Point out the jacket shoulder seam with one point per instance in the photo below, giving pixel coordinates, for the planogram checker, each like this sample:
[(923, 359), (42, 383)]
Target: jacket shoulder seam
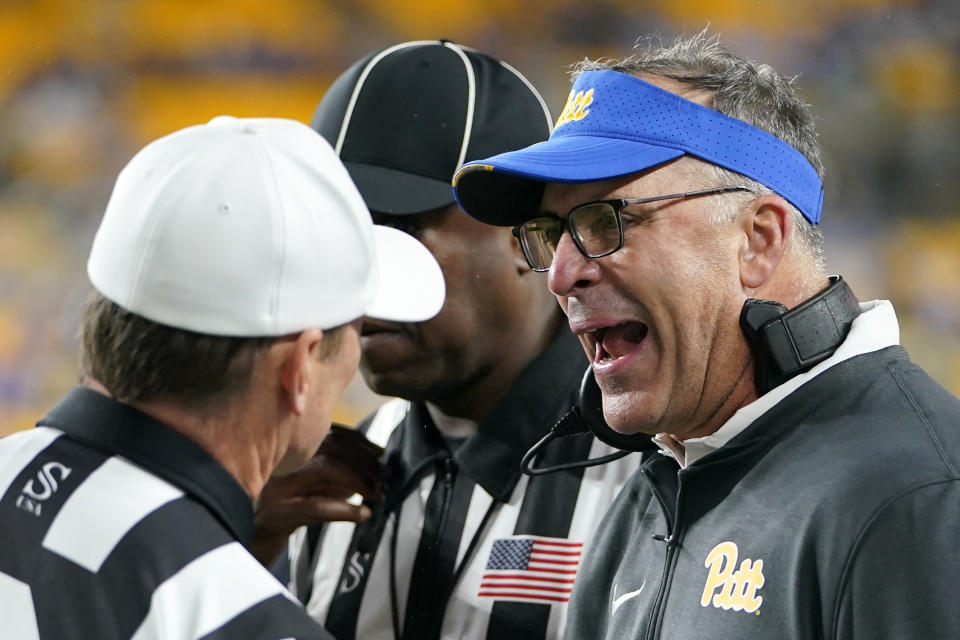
[(862, 534), (931, 433)]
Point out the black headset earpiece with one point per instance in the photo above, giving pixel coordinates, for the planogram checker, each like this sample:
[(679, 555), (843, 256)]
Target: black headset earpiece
[(786, 343)]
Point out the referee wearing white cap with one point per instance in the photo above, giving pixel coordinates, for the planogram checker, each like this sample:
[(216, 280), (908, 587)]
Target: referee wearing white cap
[(230, 269)]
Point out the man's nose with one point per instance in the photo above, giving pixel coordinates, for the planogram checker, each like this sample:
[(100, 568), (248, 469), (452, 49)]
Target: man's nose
[(570, 269)]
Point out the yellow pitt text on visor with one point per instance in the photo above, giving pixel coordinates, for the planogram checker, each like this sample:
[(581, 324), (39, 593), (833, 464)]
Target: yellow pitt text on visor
[(576, 107)]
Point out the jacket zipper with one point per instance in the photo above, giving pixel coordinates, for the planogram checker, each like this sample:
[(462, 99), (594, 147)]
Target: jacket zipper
[(670, 561), (448, 467)]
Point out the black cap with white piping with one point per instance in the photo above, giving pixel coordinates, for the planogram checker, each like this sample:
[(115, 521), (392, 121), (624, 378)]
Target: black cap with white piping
[(403, 119)]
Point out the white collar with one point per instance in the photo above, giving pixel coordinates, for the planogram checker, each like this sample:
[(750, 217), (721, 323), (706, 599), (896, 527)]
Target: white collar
[(875, 328)]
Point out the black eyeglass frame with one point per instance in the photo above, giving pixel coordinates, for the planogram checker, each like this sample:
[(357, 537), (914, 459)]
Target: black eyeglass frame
[(617, 204)]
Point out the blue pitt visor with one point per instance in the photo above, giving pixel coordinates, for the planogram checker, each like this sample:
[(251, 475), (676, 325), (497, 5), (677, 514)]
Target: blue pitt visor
[(615, 124)]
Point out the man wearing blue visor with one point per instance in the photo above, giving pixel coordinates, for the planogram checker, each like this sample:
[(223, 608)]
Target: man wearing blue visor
[(801, 476)]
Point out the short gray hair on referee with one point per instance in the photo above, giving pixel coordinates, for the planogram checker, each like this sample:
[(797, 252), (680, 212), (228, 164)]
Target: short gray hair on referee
[(750, 91)]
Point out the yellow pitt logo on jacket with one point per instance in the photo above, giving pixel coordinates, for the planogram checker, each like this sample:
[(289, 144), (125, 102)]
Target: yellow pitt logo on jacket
[(576, 107), (727, 588)]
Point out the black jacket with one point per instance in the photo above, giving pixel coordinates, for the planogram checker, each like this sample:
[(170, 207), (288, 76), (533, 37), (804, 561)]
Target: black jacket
[(836, 514)]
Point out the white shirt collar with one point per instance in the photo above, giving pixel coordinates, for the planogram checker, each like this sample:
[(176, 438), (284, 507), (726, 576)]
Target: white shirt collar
[(875, 328)]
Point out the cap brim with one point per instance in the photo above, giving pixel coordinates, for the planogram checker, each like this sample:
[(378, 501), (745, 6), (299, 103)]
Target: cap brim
[(410, 287), (398, 193), (506, 189)]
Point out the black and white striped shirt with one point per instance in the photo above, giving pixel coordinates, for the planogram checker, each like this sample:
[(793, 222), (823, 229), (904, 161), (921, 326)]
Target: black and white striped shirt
[(481, 552), (114, 526)]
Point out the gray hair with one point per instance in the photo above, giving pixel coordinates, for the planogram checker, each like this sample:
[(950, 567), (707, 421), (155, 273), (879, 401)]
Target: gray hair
[(749, 91)]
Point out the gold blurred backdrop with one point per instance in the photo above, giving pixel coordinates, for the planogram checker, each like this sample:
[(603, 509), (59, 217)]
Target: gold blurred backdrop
[(85, 83)]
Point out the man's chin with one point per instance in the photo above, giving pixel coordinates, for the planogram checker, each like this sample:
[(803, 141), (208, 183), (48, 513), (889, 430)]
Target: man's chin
[(377, 364), (391, 381), (623, 415), (380, 382)]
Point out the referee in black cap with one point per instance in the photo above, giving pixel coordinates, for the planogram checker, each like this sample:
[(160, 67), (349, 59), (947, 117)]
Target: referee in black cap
[(449, 546)]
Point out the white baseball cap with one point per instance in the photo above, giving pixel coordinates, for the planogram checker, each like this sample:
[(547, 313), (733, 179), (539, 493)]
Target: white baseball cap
[(253, 227)]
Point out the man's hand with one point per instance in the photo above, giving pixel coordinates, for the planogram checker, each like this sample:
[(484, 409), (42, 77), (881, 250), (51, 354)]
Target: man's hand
[(345, 464)]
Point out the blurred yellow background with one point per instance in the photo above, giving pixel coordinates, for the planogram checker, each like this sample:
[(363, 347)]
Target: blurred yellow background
[(85, 83)]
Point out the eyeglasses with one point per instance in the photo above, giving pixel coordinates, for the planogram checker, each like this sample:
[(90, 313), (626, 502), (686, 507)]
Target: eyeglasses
[(596, 227)]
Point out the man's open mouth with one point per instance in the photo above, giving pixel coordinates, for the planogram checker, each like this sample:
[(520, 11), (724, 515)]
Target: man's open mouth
[(616, 341)]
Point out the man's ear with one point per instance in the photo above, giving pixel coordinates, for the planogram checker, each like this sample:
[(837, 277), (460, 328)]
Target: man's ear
[(296, 378), (768, 230)]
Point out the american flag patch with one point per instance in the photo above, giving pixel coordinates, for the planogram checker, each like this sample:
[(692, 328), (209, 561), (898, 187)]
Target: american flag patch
[(531, 569)]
